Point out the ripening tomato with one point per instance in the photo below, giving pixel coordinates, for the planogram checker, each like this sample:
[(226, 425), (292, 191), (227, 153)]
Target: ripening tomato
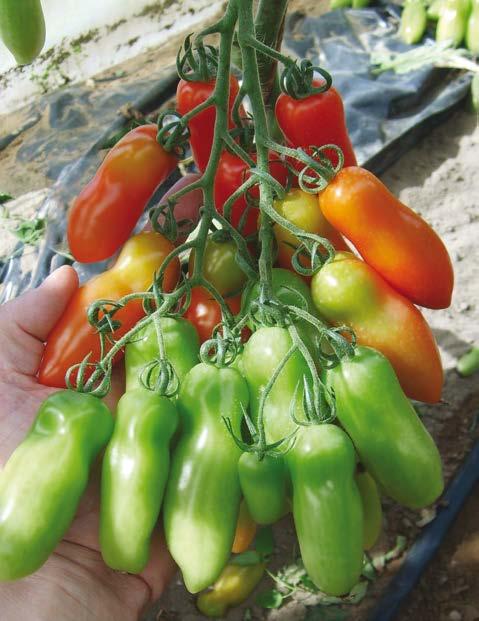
[(316, 120), (107, 209), (301, 209), (204, 312), (231, 173), (220, 267), (73, 337), (390, 237), (347, 291), (202, 126)]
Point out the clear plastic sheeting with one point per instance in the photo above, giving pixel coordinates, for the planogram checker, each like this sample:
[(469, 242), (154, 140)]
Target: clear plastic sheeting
[(386, 114)]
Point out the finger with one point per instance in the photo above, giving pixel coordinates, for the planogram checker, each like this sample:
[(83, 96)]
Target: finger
[(37, 311), (26, 321)]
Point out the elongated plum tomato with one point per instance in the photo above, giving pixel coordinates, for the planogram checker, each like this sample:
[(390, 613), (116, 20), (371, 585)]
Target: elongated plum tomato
[(105, 212), (390, 237), (245, 530), (315, 121), (73, 337), (301, 209), (347, 291), (204, 312), (190, 94), (231, 173), (220, 267)]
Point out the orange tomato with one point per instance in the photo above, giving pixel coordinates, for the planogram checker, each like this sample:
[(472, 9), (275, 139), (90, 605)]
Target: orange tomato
[(245, 530), (73, 337), (390, 237)]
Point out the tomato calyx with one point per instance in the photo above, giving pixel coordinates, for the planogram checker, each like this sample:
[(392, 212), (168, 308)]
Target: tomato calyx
[(297, 80), (196, 61)]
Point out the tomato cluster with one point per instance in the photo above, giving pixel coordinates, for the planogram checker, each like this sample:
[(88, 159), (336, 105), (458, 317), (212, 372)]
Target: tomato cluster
[(174, 452)]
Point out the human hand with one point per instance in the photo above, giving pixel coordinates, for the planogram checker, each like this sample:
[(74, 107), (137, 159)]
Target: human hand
[(74, 584)]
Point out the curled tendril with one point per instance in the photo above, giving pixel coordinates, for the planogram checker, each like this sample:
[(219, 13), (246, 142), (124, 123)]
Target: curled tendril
[(104, 323), (269, 313), (223, 347), (157, 298), (319, 405), (297, 80), (334, 346), (97, 383), (163, 221), (160, 377), (275, 185), (173, 132), (317, 253), (196, 62), (273, 449), (319, 169)]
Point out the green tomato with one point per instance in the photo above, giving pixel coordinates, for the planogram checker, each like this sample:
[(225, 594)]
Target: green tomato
[(44, 479), (181, 348), (220, 267), (264, 485), (327, 507), (468, 364), (372, 511), (291, 290), (22, 28), (472, 31), (288, 287), (203, 491), (413, 21), (135, 471), (452, 22), (262, 355), (389, 437), (434, 9)]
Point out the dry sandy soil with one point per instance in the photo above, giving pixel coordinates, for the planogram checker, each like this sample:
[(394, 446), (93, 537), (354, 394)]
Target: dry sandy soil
[(439, 178)]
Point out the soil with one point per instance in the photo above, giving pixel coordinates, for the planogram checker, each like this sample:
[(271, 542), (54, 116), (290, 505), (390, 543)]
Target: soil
[(438, 178)]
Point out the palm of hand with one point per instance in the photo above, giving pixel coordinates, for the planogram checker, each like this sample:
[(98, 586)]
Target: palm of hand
[(86, 585)]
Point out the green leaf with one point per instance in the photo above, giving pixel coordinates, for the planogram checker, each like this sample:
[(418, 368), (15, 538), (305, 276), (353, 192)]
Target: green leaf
[(4, 198), (270, 599), (308, 584), (264, 541), (250, 557), (30, 231)]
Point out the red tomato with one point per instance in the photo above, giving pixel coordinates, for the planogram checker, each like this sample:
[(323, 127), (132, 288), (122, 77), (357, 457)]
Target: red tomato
[(231, 173), (188, 96), (204, 312), (315, 121), (73, 337), (107, 209)]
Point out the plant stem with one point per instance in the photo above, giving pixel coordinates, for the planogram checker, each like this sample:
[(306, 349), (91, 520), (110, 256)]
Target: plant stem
[(252, 85), (269, 22)]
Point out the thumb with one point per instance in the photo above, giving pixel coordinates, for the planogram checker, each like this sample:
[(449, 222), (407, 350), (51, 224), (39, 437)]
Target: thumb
[(37, 311)]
